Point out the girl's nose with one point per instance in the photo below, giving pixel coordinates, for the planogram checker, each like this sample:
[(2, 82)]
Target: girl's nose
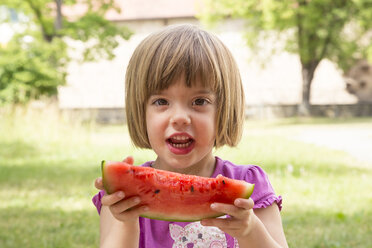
[(180, 117)]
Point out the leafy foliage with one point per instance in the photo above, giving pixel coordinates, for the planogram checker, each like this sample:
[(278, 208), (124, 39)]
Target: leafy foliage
[(31, 69), (33, 63), (339, 30)]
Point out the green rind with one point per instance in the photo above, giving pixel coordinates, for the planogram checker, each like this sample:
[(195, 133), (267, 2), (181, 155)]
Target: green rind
[(249, 192), (103, 163)]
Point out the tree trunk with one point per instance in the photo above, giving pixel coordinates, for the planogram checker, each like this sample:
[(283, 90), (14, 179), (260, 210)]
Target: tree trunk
[(308, 71), (58, 22), (37, 11)]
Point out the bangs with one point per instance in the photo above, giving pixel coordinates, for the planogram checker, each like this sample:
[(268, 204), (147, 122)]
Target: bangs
[(188, 53)]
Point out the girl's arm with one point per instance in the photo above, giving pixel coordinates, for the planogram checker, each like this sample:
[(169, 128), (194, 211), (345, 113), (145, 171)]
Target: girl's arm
[(119, 220), (272, 221), (267, 229), (259, 228), (117, 234)]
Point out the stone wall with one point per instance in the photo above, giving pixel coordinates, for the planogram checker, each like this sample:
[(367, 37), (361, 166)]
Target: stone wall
[(117, 115), (317, 110)]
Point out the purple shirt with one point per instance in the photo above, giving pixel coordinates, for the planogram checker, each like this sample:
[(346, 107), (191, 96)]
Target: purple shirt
[(157, 233)]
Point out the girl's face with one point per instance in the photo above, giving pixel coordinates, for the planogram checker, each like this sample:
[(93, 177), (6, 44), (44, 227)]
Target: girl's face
[(181, 128)]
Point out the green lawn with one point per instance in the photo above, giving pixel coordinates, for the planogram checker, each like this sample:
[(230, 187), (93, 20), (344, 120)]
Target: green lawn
[(48, 165)]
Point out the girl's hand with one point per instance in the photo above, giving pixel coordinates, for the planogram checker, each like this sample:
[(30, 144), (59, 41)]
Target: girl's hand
[(242, 219), (123, 209), (98, 183)]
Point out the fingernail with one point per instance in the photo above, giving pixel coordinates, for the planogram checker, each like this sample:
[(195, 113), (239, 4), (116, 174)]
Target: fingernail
[(213, 206), (145, 208), (136, 200), (120, 194)]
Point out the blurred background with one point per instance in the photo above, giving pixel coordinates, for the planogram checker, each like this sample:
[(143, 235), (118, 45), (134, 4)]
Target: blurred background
[(306, 67)]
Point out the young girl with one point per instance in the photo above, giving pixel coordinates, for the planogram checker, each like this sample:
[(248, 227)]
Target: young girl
[(184, 97)]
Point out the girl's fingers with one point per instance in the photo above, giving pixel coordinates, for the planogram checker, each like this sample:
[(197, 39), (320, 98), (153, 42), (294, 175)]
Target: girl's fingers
[(122, 208), (98, 183), (244, 203), (237, 210), (129, 160), (124, 205), (229, 209), (108, 200), (132, 213)]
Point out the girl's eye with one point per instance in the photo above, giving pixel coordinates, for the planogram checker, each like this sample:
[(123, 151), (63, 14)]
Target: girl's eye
[(160, 102), (200, 102)]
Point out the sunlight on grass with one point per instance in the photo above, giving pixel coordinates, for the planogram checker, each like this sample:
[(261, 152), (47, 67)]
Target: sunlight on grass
[(48, 164)]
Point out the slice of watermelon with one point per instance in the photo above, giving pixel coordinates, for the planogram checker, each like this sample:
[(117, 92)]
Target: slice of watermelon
[(172, 196)]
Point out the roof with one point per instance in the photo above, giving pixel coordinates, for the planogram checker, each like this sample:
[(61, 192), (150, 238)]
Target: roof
[(153, 9), (142, 9)]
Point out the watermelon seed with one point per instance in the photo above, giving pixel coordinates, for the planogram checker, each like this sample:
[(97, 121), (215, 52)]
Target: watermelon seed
[(223, 182), (192, 188), (157, 191)]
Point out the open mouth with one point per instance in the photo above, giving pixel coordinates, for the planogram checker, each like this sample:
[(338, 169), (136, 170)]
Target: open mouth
[(180, 141), (181, 144)]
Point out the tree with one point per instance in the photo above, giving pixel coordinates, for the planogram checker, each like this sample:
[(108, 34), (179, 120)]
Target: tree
[(314, 29), (33, 63)]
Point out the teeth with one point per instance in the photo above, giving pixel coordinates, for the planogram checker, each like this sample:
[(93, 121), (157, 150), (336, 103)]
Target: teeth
[(180, 137), (181, 145)]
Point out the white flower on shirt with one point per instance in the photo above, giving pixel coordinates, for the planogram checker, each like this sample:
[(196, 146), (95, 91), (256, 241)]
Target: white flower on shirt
[(194, 235)]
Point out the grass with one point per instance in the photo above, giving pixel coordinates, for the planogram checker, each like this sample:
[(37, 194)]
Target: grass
[(48, 165)]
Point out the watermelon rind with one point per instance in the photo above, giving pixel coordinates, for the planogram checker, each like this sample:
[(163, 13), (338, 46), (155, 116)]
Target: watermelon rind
[(105, 186), (249, 192), (103, 174)]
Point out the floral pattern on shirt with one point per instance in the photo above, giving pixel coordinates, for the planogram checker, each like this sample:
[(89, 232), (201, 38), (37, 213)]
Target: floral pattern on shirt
[(195, 235)]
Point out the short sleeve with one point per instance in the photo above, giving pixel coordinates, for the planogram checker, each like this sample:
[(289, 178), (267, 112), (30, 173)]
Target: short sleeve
[(263, 193), (97, 200)]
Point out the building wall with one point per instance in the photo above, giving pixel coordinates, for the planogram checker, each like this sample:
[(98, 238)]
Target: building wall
[(101, 84)]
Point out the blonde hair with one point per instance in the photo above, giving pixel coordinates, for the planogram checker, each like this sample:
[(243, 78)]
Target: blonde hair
[(184, 49)]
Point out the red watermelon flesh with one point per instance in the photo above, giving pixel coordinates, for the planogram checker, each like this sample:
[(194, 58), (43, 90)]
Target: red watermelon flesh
[(172, 196)]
